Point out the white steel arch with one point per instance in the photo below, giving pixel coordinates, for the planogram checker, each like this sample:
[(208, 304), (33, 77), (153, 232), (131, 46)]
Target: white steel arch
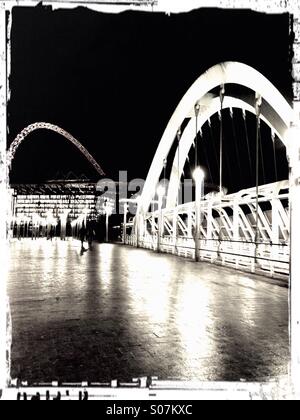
[(225, 73), (212, 106), (47, 126)]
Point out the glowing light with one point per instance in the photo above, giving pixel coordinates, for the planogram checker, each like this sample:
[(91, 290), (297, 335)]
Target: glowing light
[(74, 223), (161, 191), (199, 174)]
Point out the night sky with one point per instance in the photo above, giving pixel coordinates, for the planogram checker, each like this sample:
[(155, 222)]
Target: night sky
[(113, 82)]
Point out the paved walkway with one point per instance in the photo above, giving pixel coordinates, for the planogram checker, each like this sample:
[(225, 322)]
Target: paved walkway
[(119, 312)]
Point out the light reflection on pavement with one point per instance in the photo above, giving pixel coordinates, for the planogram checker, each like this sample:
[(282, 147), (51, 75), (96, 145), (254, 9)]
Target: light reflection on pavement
[(118, 313)]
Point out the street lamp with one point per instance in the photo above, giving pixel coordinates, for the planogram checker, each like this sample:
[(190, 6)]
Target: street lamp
[(135, 201), (125, 223), (108, 212), (198, 176), (161, 191)]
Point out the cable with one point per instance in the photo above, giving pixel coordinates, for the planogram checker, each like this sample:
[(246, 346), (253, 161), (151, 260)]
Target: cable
[(206, 157), (213, 142), (222, 93), (197, 111), (178, 163), (247, 140), (262, 157), (225, 155), (236, 146), (274, 155)]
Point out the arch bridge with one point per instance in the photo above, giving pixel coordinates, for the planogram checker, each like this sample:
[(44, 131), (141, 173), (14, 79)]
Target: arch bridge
[(248, 230)]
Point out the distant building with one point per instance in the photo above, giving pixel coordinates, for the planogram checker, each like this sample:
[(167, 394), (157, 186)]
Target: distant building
[(71, 196), (55, 207)]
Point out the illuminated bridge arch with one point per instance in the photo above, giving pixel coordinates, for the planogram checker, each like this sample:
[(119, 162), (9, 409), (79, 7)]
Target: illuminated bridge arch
[(47, 126), (212, 106), (221, 74)]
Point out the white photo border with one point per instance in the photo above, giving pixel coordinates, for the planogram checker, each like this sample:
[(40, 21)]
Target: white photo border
[(288, 389)]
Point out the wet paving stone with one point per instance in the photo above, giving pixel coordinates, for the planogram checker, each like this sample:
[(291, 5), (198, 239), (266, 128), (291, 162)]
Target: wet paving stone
[(118, 313)]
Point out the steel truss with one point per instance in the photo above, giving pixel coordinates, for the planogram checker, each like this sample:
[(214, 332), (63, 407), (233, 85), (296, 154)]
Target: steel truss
[(47, 126), (228, 231)]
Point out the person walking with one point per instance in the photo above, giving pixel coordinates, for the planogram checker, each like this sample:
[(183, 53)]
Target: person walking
[(82, 236), (90, 235)]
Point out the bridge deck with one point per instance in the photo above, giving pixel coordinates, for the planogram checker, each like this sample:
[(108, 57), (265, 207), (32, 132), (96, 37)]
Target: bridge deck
[(119, 312)]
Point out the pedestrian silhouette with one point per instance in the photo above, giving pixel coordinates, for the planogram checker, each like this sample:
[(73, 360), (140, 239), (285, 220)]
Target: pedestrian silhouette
[(58, 397), (90, 235), (82, 236)]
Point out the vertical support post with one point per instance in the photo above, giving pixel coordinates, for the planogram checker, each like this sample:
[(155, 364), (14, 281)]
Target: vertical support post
[(209, 222), (139, 223), (106, 225), (189, 225), (222, 95), (142, 228), (125, 223), (236, 231), (236, 227), (258, 103), (197, 112), (160, 222), (175, 214), (198, 221), (161, 191), (210, 243), (197, 177), (108, 212), (275, 228), (137, 228), (175, 230), (153, 228), (199, 181)]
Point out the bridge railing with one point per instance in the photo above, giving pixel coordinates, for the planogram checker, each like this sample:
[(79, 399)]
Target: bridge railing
[(262, 258), (235, 230)]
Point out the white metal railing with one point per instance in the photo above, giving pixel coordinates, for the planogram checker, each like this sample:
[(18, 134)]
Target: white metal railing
[(272, 260), (229, 233)]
